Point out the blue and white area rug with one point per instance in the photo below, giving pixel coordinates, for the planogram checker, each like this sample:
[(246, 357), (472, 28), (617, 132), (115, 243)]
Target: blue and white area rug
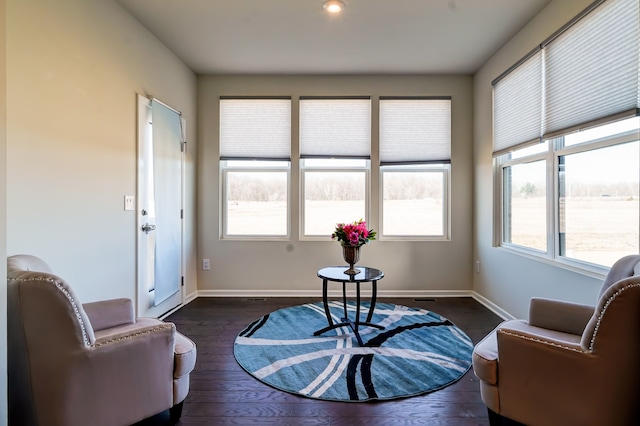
[(419, 351)]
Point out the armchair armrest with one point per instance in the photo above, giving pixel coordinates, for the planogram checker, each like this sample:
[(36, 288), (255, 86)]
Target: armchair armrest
[(560, 316), (110, 313), (534, 369), (523, 337), (129, 369)]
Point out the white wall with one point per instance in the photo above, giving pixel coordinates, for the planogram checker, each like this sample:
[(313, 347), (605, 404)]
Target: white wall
[(510, 280), (3, 216), (74, 68), (272, 268)]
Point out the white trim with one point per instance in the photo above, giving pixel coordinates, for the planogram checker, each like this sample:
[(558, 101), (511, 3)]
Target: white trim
[(144, 136), (225, 169), (190, 298), (169, 312), (144, 303), (445, 171), (417, 294), (555, 150), (165, 105), (492, 307), (331, 167), (335, 293)]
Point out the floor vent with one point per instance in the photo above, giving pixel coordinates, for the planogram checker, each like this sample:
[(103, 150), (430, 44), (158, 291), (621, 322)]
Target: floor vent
[(424, 299), (254, 299)]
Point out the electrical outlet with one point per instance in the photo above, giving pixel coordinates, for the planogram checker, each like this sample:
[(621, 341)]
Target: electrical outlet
[(206, 264), (477, 266)]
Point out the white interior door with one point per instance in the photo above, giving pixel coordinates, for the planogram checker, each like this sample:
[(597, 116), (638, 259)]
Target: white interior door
[(159, 208)]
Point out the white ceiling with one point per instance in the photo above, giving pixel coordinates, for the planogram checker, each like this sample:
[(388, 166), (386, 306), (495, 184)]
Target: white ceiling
[(299, 37)]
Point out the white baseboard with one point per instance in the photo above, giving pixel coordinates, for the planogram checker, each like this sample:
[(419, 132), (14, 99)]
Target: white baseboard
[(492, 306), (413, 294), (334, 293), (191, 297)]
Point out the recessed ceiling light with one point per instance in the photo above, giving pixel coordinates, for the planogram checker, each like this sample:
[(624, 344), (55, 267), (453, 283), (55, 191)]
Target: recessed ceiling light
[(333, 6)]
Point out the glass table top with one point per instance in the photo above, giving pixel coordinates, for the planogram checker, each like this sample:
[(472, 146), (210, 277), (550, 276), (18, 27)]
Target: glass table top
[(336, 273)]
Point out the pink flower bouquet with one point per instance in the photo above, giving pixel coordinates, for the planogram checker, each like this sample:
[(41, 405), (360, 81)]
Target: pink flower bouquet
[(353, 234)]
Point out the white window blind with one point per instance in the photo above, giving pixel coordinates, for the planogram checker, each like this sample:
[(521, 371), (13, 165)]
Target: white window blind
[(587, 73), (334, 128), (592, 67), (252, 128), (415, 130), (517, 106)]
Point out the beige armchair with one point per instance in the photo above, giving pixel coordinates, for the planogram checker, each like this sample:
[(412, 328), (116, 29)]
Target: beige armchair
[(94, 364), (569, 364)]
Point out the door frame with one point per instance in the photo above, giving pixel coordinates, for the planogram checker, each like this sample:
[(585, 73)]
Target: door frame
[(145, 135)]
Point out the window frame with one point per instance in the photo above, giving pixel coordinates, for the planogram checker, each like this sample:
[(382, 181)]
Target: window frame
[(559, 151), (326, 149), (555, 150), (224, 180), (568, 58), (233, 158), (305, 168), (420, 141), (442, 168), (500, 164)]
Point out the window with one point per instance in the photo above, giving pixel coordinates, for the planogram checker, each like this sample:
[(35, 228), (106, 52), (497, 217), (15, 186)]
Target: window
[(255, 195), (525, 202), (574, 198), (415, 154), (598, 195), (255, 146), (596, 176), (335, 146), (335, 191)]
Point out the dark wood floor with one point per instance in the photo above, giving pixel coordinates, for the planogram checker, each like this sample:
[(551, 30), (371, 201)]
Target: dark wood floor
[(222, 393)]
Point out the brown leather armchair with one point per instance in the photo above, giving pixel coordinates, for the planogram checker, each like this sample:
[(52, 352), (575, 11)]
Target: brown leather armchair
[(569, 364), (93, 364)]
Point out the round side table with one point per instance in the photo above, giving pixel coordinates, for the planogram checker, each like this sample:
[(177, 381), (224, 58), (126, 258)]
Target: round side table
[(336, 274)]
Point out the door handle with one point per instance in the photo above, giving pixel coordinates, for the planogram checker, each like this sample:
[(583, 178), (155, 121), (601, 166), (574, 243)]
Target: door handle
[(148, 228)]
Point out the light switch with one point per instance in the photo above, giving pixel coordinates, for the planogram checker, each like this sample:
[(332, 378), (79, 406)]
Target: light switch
[(129, 201)]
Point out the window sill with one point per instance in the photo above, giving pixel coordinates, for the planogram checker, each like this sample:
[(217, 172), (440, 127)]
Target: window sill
[(583, 268)]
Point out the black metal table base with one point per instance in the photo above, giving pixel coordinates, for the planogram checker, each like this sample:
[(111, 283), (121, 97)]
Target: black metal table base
[(346, 321), (354, 326)]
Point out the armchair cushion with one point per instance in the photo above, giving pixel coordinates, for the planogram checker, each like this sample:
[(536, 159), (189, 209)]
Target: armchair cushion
[(485, 354), (184, 363), (139, 326), (110, 313), (485, 359), (559, 315), (185, 356)]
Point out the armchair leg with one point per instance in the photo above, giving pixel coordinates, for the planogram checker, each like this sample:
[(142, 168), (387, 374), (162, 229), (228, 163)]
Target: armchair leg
[(175, 412)]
